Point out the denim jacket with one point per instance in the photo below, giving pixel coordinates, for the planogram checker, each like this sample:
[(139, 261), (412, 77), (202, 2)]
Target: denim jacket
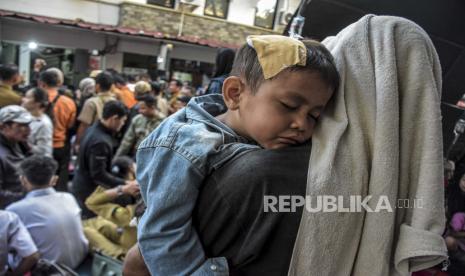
[(172, 164)]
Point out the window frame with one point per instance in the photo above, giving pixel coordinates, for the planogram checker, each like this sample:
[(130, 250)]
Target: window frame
[(215, 16), (173, 3), (273, 23)]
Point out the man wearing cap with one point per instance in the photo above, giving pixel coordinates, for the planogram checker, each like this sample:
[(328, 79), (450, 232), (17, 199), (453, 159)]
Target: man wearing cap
[(14, 131)]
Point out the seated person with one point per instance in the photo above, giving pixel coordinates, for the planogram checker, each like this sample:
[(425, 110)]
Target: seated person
[(265, 103), (52, 218), (112, 231), (17, 245)]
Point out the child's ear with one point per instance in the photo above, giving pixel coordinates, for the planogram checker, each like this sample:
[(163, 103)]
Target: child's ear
[(232, 89)]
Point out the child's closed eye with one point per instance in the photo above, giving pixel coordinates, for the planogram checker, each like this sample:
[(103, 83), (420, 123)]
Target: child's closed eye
[(289, 106)]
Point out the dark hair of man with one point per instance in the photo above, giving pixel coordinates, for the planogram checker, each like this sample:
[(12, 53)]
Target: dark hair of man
[(149, 100), (8, 71), (224, 61), (319, 59), (50, 78), (155, 87), (113, 108), (38, 169), (178, 82), (40, 96), (104, 80)]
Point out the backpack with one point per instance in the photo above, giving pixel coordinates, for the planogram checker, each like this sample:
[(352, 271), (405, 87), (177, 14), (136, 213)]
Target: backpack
[(50, 108)]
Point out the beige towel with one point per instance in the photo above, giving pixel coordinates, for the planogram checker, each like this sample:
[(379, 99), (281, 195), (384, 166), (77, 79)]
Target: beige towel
[(276, 53), (380, 136)]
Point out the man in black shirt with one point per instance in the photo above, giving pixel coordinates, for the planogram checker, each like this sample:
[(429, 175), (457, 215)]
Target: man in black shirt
[(96, 153)]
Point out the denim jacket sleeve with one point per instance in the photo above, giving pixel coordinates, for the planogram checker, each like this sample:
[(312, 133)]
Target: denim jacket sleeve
[(170, 186)]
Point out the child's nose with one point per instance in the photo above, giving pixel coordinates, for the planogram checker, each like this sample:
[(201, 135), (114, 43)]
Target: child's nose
[(300, 122)]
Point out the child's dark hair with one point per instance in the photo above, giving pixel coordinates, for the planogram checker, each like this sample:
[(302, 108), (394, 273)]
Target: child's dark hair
[(319, 59), (121, 166), (38, 169)]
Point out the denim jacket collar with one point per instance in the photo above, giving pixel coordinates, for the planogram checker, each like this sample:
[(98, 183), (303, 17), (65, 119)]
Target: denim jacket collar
[(206, 108)]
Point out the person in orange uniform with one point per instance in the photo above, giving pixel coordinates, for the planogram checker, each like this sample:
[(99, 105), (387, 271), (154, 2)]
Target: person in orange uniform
[(122, 92), (64, 115)]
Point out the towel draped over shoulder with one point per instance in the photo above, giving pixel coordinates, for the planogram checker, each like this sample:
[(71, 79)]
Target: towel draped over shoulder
[(380, 136)]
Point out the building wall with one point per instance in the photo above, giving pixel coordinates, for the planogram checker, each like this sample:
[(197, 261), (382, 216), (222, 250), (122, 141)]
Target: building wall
[(102, 12), (107, 11), (168, 21)]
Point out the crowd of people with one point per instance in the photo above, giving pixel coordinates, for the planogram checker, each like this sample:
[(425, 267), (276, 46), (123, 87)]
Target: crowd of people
[(67, 162)]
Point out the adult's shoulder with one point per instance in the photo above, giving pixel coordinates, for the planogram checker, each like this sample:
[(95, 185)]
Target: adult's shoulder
[(68, 102), (19, 207), (8, 217), (266, 163)]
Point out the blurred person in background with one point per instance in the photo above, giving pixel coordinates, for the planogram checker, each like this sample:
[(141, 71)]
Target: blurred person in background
[(141, 125), (162, 103), (122, 92), (181, 102), (223, 66), (15, 244), (187, 91), (86, 90), (64, 115), (112, 231), (14, 132), (52, 218), (173, 91), (9, 76), (92, 110), (39, 66), (40, 140), (96, 154), (131, 82)]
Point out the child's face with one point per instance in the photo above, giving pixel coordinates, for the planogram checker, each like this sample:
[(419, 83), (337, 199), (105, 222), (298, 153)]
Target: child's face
[(283, 112)]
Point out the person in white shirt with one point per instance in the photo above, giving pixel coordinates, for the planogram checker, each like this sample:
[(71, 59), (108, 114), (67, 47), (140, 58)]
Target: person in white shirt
[(52, 218), (40, 139), (16, 245)]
